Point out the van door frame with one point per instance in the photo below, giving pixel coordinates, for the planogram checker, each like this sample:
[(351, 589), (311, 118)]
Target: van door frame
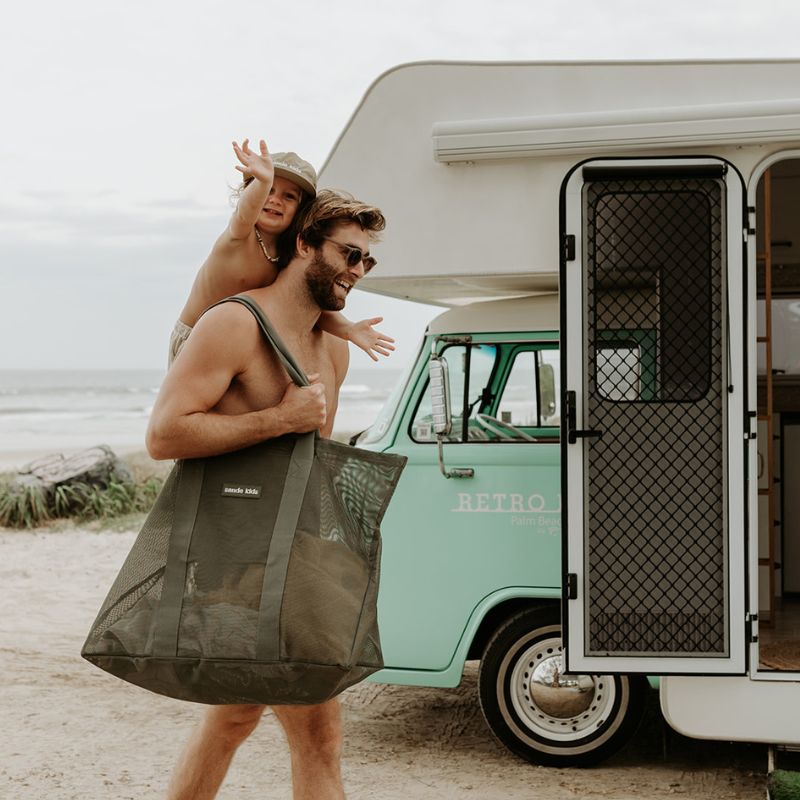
[(571, 222), (752, 381)]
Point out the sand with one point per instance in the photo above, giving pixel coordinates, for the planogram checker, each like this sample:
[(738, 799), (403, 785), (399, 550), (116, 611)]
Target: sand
[(72, 731)]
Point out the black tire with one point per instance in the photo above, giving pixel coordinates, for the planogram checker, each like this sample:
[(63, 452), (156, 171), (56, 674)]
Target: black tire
[(579, 722)]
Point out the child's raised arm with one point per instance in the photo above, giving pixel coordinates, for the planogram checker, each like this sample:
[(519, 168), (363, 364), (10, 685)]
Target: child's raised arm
[(361, 333), (255, 194)]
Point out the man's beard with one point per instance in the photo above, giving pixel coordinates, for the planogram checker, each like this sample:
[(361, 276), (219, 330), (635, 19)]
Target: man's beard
[(320, 277)]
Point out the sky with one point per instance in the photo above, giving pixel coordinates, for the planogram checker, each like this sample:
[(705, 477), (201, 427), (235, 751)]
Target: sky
[(115, 156)]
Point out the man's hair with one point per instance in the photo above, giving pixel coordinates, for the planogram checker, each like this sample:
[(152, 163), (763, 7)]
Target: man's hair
[(331, 208), (285, 243)]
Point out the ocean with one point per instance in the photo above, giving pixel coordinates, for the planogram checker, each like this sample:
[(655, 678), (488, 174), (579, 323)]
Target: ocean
[(53, 411)]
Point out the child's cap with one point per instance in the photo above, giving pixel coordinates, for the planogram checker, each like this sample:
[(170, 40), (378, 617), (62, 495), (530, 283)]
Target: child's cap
[(293, 168)]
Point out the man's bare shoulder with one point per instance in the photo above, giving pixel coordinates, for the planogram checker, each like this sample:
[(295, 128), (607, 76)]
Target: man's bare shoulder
[(227, 319), (222, 345)]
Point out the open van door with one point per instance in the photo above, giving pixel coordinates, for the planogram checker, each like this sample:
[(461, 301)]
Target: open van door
[(655, 427)]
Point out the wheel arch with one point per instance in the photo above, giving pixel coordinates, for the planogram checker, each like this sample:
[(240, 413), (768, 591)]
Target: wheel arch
[(495, 615)]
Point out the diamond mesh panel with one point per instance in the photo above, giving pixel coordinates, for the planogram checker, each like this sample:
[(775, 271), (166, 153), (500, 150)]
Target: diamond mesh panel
[(141, 575), (337, 547), (655, 526)]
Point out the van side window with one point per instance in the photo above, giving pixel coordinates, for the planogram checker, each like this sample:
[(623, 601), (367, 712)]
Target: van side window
[(529, 397), (519, 405), (512, 394)]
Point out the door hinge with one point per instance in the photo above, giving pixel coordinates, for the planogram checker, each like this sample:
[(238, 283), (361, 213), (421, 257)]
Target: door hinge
[(572, 586), (568, 247)]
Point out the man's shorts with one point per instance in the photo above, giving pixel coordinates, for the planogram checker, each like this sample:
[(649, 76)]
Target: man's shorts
[(180, 333)]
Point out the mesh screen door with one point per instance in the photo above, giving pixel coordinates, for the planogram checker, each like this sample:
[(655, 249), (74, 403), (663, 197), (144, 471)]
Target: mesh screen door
[(648, 377)]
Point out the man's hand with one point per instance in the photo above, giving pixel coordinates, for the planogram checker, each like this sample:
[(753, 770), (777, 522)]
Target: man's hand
[(371, 341), (259, 166), (304, 408)]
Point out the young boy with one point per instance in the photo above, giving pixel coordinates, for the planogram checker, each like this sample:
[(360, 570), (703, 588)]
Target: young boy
[(259, 241)]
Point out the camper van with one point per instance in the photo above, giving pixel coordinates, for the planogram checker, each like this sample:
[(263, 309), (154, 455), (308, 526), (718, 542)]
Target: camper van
[(603, 425)]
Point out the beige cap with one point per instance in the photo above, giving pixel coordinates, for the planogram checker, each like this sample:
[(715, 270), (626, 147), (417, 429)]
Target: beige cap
[(293, 168)]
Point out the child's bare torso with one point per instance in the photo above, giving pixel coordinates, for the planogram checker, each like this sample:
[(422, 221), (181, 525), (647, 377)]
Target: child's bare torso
[(233, 266)]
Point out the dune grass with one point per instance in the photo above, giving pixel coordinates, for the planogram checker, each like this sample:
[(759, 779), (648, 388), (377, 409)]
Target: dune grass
[(32, 505)]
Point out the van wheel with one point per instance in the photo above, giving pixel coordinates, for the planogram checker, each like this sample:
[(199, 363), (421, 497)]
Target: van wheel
[(543, 716)]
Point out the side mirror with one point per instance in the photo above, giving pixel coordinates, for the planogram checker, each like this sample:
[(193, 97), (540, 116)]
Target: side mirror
[(440, 395), (547, 389), (439, 379)]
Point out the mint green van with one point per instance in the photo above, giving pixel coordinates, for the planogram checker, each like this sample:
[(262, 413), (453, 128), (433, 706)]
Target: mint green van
[(471, 565)]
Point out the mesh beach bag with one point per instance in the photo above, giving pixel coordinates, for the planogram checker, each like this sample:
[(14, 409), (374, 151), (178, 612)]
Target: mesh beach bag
[(255, 576)]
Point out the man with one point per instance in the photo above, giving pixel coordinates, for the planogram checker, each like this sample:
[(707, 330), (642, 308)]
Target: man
[(228, 391)]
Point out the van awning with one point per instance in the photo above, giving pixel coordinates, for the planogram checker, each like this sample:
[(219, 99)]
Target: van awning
[(751, 122)]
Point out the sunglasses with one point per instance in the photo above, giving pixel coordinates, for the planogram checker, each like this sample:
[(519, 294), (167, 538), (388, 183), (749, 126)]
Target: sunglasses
[(353, 255)]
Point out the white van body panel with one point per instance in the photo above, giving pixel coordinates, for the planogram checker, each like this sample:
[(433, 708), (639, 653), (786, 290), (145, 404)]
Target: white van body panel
[(488, 226), (733, 708), (500, 316)]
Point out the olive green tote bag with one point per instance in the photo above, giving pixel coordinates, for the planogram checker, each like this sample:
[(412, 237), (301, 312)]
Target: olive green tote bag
[(255, 576)]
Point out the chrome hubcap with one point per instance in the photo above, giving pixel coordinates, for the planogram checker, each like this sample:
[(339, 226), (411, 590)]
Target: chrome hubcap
[(558, 706)]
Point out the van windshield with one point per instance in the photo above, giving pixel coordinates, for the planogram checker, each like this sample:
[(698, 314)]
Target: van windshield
[(376, 431)]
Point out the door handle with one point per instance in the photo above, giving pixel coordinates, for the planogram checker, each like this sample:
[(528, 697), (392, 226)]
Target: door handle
[(573, 434)]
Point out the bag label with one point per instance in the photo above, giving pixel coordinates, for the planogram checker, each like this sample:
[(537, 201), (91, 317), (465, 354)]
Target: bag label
[(240, 490)]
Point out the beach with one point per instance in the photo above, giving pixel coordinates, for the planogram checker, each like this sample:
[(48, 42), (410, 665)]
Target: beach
[(73, 732)]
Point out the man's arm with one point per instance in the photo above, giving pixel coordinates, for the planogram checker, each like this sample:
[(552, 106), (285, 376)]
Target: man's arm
[(252, 199), (361, 333), (183, 424)]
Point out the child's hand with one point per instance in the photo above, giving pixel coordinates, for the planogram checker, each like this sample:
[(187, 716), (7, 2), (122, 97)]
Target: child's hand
[(259, 166), (369, 340)]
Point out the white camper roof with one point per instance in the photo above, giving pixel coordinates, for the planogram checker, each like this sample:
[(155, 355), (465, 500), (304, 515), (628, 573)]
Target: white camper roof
[(500, 316), (467, 159)]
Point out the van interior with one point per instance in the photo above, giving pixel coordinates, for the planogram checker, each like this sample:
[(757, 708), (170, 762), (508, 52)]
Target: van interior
[(778, 366)]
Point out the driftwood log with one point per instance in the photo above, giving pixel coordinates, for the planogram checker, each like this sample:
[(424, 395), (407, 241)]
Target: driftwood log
[(98, 466)]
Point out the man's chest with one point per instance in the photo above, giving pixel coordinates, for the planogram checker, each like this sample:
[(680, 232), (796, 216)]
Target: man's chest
[(264, 383)]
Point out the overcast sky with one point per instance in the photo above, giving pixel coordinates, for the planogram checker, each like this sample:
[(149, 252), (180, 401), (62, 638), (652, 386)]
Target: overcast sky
[(117, 120)]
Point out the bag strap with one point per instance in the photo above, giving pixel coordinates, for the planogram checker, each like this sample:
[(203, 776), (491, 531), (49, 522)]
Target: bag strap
[(271, 335), (268, 647)]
